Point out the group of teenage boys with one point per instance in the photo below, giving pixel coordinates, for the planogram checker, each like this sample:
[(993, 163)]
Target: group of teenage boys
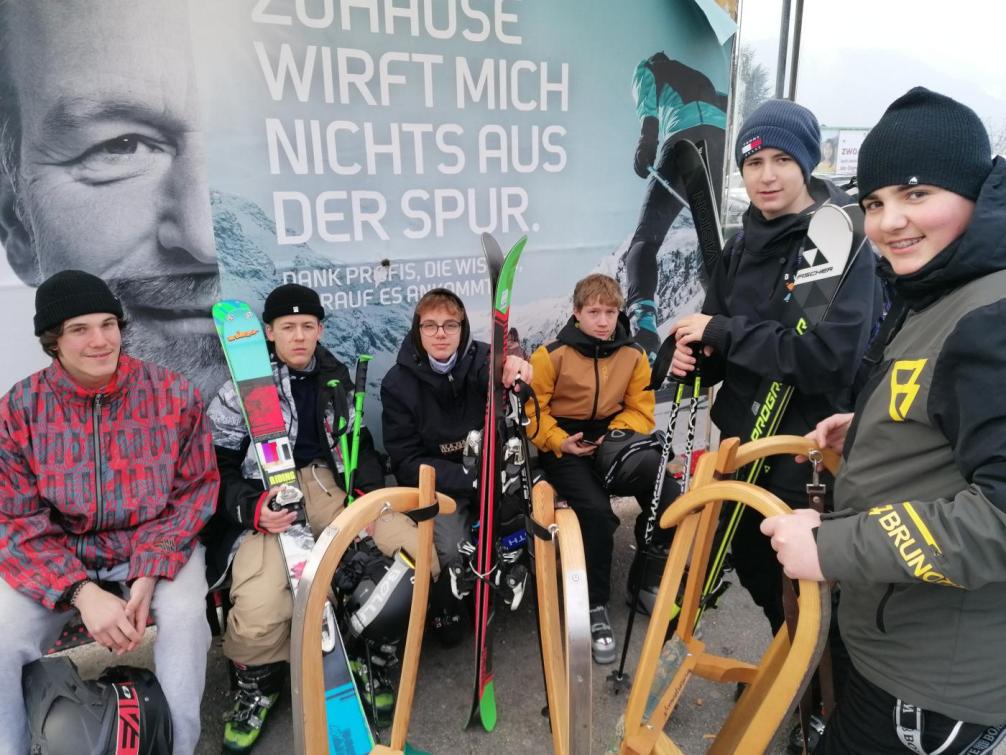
[(113, 472)]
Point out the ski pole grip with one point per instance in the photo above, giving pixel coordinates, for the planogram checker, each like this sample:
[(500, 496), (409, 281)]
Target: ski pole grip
[(361, 373)]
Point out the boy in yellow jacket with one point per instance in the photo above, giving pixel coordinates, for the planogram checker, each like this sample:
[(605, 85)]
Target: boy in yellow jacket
[(595, 435)]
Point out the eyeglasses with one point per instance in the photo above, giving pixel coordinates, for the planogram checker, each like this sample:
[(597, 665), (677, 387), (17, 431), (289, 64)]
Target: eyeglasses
[(430, 328)]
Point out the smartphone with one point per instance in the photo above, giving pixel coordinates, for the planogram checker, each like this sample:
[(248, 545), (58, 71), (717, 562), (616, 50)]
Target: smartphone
[(585, 442)]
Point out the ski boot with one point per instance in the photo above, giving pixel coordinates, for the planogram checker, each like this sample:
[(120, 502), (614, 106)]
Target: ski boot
[(258, 688), (510, 577), (643, 314), (644, 575), (376, 692), (602, 638), (461, 571)]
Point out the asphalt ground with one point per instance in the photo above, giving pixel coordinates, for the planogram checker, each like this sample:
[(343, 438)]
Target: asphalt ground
[(444, 688)]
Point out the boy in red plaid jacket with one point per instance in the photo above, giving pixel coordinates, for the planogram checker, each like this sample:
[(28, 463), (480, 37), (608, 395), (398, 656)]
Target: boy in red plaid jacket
[(107, 473)]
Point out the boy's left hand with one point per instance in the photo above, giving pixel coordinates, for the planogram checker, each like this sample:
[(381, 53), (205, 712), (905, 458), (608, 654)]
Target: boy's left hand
[(690, 328), (141, 592), (793, 541), (515, 367)]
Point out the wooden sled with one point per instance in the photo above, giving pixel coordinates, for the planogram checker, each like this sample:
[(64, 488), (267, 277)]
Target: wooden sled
[(775, 684), (565, 636), (310, 732)]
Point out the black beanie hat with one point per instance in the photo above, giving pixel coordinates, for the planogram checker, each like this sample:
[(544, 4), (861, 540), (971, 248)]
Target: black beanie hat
[(784, 125), (72, 293), (292, 299), (926, 138)]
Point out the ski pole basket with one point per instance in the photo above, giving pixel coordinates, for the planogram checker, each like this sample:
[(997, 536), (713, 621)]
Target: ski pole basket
[(310, 727), (775, 684), (565, 639)]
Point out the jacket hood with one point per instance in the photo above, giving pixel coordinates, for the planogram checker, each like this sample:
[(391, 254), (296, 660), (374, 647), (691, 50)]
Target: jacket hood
[(571, 335), (416, 361), (980, 250), (466, 330)]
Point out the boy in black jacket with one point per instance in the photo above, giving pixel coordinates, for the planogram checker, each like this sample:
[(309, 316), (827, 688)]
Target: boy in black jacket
[(243, 533), (746, 324), (432, 396)]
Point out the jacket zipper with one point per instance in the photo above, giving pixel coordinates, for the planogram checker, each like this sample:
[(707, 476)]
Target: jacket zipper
[(597, 383), (880, 608), (96, 423)]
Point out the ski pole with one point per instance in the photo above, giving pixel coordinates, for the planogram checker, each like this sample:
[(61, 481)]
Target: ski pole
[(617, 677), (666, 184), (343, 442), (359, 394)]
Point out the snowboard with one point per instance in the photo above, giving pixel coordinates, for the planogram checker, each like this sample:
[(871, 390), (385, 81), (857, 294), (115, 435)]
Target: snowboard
[(244, 345)]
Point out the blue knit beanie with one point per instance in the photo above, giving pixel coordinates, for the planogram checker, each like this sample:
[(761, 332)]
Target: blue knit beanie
[(784, 125)]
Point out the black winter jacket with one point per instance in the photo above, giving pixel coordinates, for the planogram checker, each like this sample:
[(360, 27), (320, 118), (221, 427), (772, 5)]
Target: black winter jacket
[(240, 487), (748, 300), (426, 416)]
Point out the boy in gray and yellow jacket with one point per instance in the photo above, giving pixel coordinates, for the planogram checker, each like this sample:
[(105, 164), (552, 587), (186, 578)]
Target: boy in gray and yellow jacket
[(594, 428), (917, 538)]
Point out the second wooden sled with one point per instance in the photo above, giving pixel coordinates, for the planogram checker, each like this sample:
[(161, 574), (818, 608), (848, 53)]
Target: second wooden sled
[(310, 735), (565, 637), (773, 685)]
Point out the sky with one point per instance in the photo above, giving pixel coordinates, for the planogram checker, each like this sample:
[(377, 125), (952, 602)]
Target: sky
[(859, 55)]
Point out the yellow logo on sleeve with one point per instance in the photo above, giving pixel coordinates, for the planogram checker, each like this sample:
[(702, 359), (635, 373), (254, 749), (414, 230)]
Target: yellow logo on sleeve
[(904, 386)]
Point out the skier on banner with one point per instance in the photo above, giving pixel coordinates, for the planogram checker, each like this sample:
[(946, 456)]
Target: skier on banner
[(594, 435), (917, 536), (106, 473), (243, 533), (743, 327), (432, 397), (673, 102)]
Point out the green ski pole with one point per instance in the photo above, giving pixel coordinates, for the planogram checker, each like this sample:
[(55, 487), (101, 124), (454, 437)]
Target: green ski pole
[(359, 394), (343, 447)]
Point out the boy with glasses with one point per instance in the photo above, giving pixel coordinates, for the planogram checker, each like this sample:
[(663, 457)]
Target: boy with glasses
[(432, 396)]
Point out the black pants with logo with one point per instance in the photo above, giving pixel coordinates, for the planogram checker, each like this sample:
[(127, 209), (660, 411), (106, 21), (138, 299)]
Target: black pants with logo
[(864, 722)]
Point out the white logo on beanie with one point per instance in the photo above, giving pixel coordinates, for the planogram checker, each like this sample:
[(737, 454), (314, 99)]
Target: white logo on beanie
[(913, 181), (751, 145), (296, 309)]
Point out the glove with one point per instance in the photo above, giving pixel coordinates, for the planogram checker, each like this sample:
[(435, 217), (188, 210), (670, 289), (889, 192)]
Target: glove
[(646, 150)]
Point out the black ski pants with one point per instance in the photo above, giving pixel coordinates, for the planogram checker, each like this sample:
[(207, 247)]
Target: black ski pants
[(660, 209), (577, 480), (864, 722)]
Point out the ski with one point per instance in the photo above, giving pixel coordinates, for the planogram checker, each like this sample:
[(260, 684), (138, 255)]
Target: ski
[(244, 346), (828, 254), (703, 203), (487, 562)]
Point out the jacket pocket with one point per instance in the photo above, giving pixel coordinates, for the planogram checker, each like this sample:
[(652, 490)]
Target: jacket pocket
[(882, 605)]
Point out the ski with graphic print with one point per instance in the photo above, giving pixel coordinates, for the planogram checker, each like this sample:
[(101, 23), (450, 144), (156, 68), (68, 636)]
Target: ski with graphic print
[(493, 559)]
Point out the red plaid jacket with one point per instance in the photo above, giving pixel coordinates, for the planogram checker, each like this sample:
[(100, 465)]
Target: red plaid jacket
[(91, 479)]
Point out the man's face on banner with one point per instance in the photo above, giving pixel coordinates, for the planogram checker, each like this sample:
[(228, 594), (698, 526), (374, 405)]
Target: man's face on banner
[(108, 174)]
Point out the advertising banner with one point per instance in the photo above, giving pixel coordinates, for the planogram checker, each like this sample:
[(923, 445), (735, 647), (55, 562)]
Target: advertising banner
[(192, 152)]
